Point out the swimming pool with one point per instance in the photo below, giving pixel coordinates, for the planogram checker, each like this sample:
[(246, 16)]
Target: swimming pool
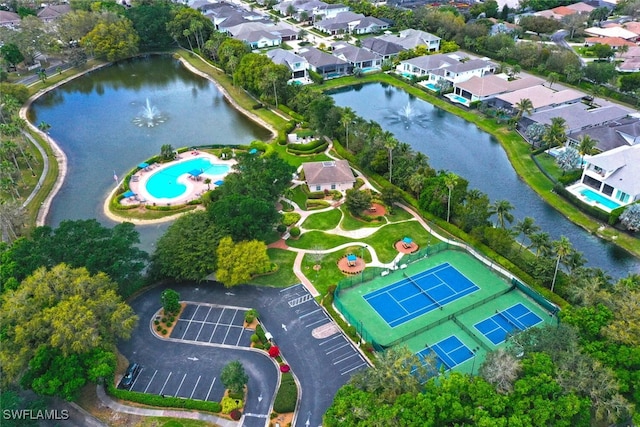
[(592, 196), (164, 184), (457, 98), (432, 87)]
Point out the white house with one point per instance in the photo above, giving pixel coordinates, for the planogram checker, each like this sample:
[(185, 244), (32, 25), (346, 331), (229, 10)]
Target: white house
[(452, 67), (298, 65), (331, 175), (411, 39), (614, 175)]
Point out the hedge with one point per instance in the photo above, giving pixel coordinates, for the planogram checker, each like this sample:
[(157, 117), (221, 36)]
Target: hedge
[(317, 204), (167, 401), (287, 396), (591, 210), (290, 218), (570, 177), (295, 149)]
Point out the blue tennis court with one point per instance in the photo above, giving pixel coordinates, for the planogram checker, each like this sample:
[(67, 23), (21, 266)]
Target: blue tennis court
[(449, 353), (416, 295), (515, 318)]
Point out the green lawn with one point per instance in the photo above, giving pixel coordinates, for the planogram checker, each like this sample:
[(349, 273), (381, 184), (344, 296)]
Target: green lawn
[(548, 163), (318, 240), (384, 239), (329, 273), (284, 276), (349, 222), (299, 197), (398, 214), (323, 220)]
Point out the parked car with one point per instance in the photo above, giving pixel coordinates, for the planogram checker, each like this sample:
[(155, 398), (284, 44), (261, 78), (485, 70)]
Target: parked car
[(130, 376)]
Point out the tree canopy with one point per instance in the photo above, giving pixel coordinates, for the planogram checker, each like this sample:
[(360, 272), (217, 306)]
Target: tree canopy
[(79, 243), (238, 262), (64, 309), (112, 40)]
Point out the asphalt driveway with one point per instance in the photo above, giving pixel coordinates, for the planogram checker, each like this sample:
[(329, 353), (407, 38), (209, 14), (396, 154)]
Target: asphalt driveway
[(189, 363)]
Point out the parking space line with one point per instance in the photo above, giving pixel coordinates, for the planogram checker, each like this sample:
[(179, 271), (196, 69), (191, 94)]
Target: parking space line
[(310, 313), (195, 387), (136, 380), (210, 387), (239, 337), (215, 325), (344, 358), (336, 345), (202, 326), (150, 381), (338, 348), (165, 383), (229, 328), (177, 393), (329, 339), (316, 322), (353, 369), (290, 287)]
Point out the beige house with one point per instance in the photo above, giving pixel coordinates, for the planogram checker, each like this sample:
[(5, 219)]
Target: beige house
[(331, 175)]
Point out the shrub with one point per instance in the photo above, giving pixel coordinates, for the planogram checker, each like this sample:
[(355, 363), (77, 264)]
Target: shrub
[(290, 218), (235, 415), (252, 313), (229, 404), (255, 338), (295, 231), (317, 204), (285, 368), (164, 332), (167, 401), (169, 324), (281, 228), (570, 177), (257, 106), (274, 351), (158, 328), (249, 318), (287, 396), (260, 333), (156, 322), (163, 320), (236, 395)]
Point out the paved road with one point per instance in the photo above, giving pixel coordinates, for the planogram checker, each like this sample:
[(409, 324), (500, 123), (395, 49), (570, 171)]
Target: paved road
[(322, 365)]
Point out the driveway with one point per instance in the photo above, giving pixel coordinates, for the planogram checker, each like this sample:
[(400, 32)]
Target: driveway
[(320, 356)]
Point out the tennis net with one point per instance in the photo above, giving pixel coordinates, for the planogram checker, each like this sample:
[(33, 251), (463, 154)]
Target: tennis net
[(414, 283)]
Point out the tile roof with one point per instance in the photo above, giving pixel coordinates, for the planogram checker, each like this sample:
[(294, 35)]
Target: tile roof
[(578, 115), (383, 47), (493, 84), (354, 54), (618, 133), (541, 96), (610, 41), (625, 161), (317, 173), (318, 58)]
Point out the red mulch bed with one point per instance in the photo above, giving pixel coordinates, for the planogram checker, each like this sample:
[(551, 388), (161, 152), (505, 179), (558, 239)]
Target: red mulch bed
[(408, 250), (376, 210), (344, 266)]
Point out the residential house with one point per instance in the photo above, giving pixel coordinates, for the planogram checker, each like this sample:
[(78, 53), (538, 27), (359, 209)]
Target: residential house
[(326, 65), (350, 23), (9, 19), (411, 39), (612, 31), (541, 98), (384, 48), (52, 12), (614, 42), (561, 12), (328, 11), (358, 57), (577, 116), (330, 175), (486, 87), (298, 6), (630, 60), (260, 35), (613, 134), (452, 67), (614, 174), (298, 65)]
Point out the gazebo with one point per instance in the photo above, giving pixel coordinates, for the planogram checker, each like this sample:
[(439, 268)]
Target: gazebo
[(351, 260), (406, 242)]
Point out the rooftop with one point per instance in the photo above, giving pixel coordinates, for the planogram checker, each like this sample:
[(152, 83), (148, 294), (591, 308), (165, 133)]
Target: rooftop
[(317, 173)]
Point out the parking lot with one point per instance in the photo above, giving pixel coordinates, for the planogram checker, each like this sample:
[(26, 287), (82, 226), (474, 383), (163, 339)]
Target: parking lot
[(338, 351), (201, 386), (211, 323)]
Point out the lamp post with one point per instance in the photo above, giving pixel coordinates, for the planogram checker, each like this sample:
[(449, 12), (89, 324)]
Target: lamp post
[(473, 366), (362, 256)]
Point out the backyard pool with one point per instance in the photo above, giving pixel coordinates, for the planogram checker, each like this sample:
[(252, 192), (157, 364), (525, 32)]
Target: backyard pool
[(591, 196), (164, 184)]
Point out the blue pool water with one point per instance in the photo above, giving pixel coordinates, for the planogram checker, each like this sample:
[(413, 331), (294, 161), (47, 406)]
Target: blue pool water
[(432, 87), (459, 99), (591, 195), (164, 183)]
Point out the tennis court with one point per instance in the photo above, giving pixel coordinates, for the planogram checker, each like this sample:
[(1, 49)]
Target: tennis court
[(514, 319), (449, 353), (416, 295)]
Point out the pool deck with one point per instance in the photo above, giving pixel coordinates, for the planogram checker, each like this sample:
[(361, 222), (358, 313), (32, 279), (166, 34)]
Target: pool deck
[(195, 188)]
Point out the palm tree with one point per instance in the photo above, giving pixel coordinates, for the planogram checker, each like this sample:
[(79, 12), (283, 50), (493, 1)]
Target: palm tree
[(587, 144), (523, 106), (346, 119), (541, 242), (526, 227), (44, 128), (390, 143), (450, 180), (208, 182), (502, 209), (562, 249), (552, 78), (555, 134)]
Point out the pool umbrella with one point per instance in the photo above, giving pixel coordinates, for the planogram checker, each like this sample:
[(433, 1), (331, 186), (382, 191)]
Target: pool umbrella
[(219, 182), (253, 151), (195, 172), (129, 194), (143, 165)]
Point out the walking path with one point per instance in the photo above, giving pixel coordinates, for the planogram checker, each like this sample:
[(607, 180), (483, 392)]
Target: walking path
[(146, 412)]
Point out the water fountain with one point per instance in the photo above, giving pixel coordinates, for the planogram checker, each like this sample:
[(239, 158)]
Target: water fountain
[(150, 116), (407, 116)]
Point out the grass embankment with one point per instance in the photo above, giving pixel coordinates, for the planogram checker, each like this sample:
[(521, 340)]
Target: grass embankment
[(519, 155), (284, 276), (323, 220)]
